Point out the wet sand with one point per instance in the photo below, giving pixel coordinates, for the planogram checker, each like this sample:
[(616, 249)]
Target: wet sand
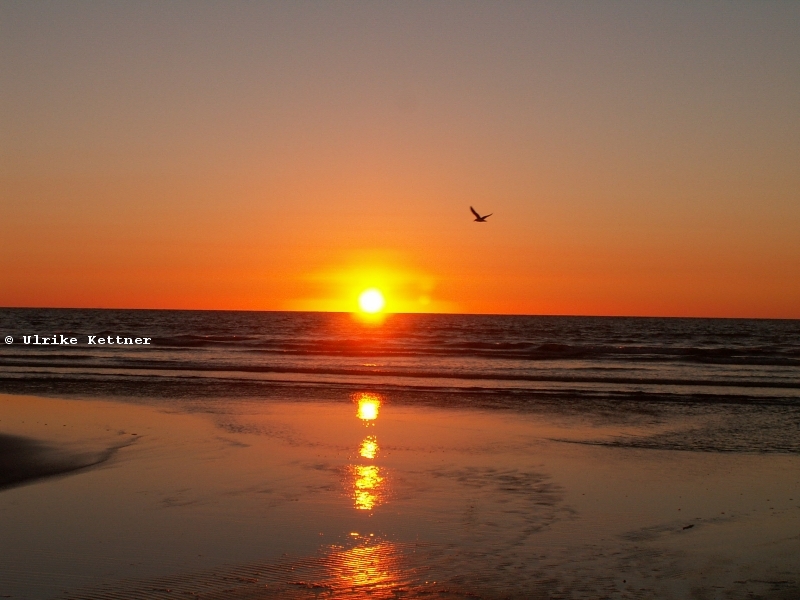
[(23, 460), (367, 498)]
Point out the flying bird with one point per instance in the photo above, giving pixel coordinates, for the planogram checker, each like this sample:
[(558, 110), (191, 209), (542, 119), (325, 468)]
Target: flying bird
[(478, 218)]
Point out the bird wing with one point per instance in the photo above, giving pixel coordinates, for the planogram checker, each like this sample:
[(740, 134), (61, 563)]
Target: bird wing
[(487, 216), (474, 212)]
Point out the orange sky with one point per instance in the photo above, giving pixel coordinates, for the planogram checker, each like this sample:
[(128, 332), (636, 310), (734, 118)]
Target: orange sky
[(639, 158)]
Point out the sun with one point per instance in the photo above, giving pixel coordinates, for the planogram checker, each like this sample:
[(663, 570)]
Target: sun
[(371, 301)]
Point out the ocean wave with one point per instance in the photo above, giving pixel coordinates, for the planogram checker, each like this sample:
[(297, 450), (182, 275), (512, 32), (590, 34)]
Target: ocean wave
[(521, 350), (609, 376)]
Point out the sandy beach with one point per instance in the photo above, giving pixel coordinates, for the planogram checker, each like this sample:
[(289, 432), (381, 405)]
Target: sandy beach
[(366, 498)]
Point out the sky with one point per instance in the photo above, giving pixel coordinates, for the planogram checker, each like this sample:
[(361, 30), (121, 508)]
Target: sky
[(639, 158)]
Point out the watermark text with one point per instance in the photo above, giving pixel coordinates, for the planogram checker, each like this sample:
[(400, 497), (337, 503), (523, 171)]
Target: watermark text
[(90, 340)]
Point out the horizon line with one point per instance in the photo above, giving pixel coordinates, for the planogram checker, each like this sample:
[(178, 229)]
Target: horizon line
[(466, 314)]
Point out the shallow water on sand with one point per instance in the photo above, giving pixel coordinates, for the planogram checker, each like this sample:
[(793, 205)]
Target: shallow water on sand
[(371, 498)]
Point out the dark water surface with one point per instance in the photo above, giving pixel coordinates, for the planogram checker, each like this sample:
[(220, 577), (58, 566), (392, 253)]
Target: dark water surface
[(754, 359)]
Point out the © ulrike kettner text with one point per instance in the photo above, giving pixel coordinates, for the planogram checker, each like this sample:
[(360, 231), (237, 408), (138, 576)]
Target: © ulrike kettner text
[(91, 340)]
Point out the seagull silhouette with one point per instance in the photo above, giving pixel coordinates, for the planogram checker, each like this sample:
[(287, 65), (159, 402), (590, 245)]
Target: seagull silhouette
[(478, 218)]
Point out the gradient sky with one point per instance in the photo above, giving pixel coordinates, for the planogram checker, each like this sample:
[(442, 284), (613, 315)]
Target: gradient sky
[(640, 158)]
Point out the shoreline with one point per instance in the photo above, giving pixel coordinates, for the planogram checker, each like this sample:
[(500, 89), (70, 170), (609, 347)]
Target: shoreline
[(701, 424)]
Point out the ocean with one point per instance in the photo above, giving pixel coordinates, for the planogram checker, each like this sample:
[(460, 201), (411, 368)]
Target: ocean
[(572, 357)]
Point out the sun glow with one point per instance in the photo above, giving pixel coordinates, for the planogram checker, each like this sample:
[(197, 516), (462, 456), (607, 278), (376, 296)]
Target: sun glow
[(355, 281), (371, 301)]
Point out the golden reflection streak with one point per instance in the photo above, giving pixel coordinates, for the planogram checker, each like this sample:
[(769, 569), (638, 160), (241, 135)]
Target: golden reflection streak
[(369, 447), (373, 566), (368, 406), (369, 319), (367, 483)]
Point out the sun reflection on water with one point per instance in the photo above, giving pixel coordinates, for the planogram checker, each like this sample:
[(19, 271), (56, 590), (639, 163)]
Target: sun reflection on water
[(369, 570), (368, 406), (367, 481), (369, 447), (367, 486)]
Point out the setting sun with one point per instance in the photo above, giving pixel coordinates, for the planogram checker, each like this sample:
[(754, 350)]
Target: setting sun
[(371, 301)]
